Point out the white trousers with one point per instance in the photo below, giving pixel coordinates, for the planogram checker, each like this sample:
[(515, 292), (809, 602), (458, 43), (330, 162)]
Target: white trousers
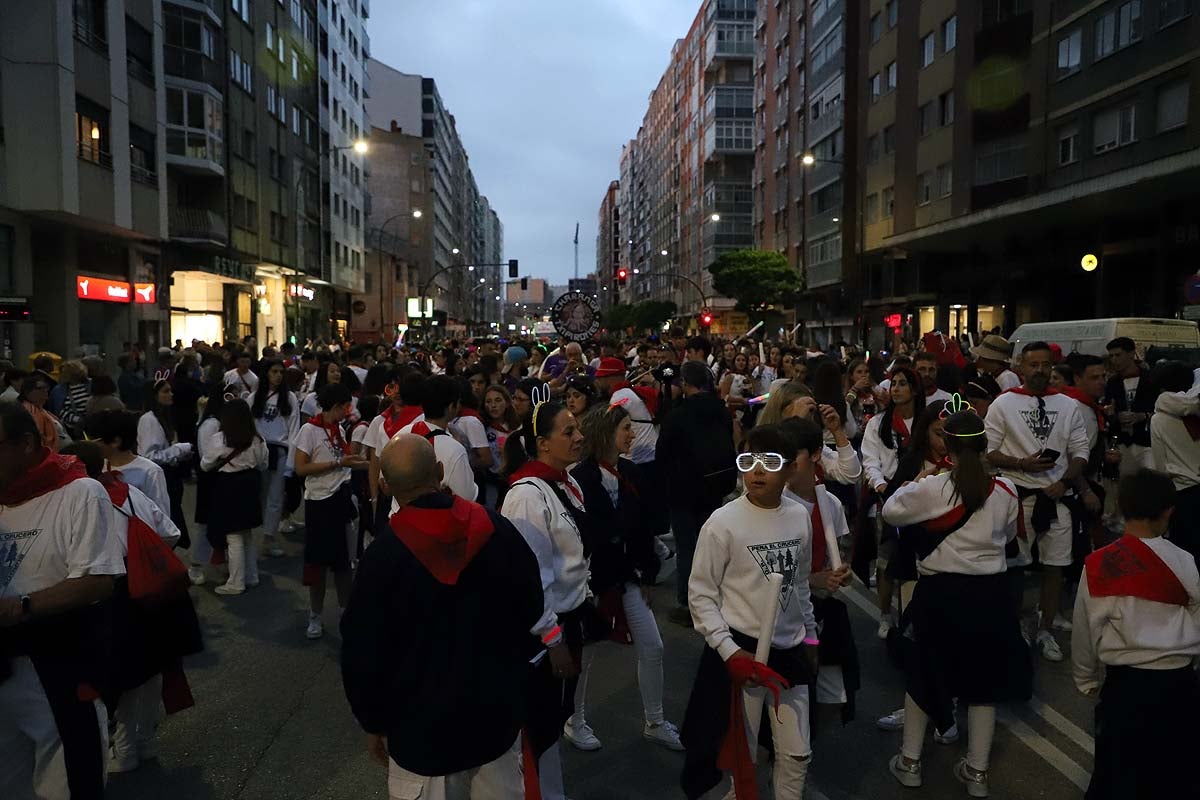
[(241, 554), (648, 645), (272, 499), (137, 717), (32, 764), (498, 780), (981, 728)]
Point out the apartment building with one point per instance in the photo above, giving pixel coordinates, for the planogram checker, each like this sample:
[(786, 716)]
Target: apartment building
[(82, 192), (1005, 140), (344, 50), (609, 247)]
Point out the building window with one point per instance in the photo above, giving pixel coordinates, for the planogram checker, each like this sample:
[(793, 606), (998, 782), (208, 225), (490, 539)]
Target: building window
[(139, 52), (893, 13), (1172, 106), (828, 198), (926, 119), (91, 132), (142, 156), (924, 188), (295, 66), (874, 87), (1118, 28), (1000, 160), (1113, 128), (241, 8), (876, 28), (296, 120), (1069, 50), (889, 140), (928, 49), (889, 82), (827, 249), (872, 209), (827, 48), (195, 122), (945, 180), (873, 148), (950, 34), (240, 73), (888, 203), (1171, 11), (946, 108), (90, 23), (271, 38), (1068, 145)]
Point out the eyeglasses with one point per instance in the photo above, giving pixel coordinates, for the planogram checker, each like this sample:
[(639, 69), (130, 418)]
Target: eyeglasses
[(771, 462)]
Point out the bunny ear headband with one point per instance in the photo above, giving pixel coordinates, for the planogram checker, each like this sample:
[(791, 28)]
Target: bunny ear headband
[(539, 395), (955, 405), (162, 375)]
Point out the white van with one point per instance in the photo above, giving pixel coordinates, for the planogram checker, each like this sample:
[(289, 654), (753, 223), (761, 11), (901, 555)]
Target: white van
[(1091, 335)]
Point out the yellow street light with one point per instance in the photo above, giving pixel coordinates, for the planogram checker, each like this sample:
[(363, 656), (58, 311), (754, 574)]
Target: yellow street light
[(808, 159), (1089, 262), (361, 147)]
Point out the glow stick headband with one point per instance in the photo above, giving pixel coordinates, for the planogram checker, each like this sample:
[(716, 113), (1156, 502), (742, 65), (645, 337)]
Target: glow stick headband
[(957, 404), (539, 396)]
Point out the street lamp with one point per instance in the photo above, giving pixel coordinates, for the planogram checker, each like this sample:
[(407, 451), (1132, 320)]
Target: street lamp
[(808, 159), (417, 213), (663, 253), (359, 146), (455, 251), (715, 217)]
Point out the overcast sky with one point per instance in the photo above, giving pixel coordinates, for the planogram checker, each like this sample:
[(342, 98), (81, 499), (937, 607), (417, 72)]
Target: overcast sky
[(545, 93)]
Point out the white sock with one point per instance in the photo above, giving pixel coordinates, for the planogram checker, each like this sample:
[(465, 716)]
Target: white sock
[(981, 727)]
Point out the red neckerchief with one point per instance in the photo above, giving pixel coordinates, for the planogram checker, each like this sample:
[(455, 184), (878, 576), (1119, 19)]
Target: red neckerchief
[(334, 433), (900, 428), (613, 470), (820, 548), (444, 540), (394, 420), (1130, 568), (115, 485), (543, 471), (469, 412), (1075, 393), (1022, 390), (53, 472), (647, 394), (421, 429)]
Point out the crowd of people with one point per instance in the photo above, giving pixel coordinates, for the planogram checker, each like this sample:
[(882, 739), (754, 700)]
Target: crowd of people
[(490, 511)]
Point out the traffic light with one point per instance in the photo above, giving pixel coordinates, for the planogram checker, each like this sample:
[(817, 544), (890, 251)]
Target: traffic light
[(524, 284), (705, 318), (622, 275), (512, 268)]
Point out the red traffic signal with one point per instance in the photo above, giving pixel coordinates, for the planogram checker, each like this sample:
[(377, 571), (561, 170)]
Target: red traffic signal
[(706, 318), (622, 275)]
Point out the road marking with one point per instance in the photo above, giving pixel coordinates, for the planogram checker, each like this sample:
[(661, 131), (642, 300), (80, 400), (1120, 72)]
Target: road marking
[(1032, 739)]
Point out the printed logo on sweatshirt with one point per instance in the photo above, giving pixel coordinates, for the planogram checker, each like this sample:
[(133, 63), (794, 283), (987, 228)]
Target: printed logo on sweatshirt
[(13, 547), (781, 557), (1040, 421)]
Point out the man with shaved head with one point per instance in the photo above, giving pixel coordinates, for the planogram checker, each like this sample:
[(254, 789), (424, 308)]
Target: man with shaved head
[(437, 630)]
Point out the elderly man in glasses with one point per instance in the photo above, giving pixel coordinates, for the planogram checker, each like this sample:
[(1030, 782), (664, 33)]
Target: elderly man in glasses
[(1038, 439)]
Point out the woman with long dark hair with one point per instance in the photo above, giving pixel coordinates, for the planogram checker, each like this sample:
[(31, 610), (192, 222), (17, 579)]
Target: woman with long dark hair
[(547, 506), (828, 382), (158, 441), (885, 437), (236, 457), (580, 395), (276, 414), (623, 564), (968, 639), (500, 420)]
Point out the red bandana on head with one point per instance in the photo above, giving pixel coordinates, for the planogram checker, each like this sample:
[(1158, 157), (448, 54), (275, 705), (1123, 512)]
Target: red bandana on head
[(333, 431), (543, 471), (1130, 567), (53, 472)]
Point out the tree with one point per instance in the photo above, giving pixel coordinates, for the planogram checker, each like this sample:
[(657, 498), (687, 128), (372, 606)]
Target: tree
[(651, 314), (619, 317), (755, 278)]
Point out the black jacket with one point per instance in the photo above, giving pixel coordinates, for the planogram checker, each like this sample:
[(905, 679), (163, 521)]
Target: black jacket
[(421, 657), (623, 543), (695, 453), (1143, 402)]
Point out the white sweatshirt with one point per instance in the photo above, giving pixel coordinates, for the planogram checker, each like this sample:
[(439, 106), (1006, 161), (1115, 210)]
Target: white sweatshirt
[(149, 478), (1132, 632), (554, 539), (1015, 428), (152, 442), (1174, 450), (879, 461), (977, 548), (739, 546), (275, 428), (841, 465)]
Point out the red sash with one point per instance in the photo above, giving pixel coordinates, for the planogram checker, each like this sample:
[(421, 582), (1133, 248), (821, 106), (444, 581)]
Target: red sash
[(613, 470), (542, 471), (444, 540), (1129, 567), (53, 472), (334, 433), (117, 488), (955, 516)]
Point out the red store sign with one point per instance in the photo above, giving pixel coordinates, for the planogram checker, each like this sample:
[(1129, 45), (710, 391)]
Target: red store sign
[(89, 288)]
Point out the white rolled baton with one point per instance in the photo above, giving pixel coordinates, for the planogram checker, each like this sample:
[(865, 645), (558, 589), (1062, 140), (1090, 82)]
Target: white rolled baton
[(768, 615), (750, 332), (831, 546)]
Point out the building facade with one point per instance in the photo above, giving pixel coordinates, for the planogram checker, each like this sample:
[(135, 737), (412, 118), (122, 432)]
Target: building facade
[(609, 240), (83, 194), (1019, 138)]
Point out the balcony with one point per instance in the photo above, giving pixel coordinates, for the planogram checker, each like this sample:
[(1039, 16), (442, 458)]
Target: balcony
[(197, 225), (195, 151), (782, 115), (729, 41), (366, 46), (824, 274), (212, 8), (192, 65)]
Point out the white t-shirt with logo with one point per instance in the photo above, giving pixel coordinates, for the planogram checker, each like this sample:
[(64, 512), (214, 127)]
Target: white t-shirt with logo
[(645, 432), (61, 535), (245, 385), (1017, 426), (313, 441), (1131, 387)]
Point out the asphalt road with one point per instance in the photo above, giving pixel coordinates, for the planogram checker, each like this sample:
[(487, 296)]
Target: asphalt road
[(271, 721)]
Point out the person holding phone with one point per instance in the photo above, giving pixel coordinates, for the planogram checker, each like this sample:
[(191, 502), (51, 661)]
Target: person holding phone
[(1037, 438)]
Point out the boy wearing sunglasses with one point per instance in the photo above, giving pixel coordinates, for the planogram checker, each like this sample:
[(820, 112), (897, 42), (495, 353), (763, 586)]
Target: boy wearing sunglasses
[(743, 542)]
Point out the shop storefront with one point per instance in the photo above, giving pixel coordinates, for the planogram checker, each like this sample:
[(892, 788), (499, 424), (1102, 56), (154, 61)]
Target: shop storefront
[(110, 309), (270, 298), (212, 298)]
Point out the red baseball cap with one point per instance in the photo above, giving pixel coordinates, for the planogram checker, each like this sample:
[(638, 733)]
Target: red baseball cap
[(610, 367)]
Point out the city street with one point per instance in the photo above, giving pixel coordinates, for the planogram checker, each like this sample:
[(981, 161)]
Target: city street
[(271, 722)]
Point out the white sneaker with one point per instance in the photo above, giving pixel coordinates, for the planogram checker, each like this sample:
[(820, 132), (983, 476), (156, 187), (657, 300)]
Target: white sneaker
[(949, 737), (976, 782), (287, 526), (228, 591), (663, 733), (316, 629), (1061, 623), (581, 735), (196, 576), (1049, 647), (892, 722), (885, 625), (908, 774)]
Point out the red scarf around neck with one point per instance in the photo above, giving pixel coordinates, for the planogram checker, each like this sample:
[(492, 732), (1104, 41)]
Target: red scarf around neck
[(544, 472), (469, 412), (53, 472), (444, 540), (117, 488), (900, 428), (394, 419), (1130, 567), (820, 548), (333, 431), (1075, 393)]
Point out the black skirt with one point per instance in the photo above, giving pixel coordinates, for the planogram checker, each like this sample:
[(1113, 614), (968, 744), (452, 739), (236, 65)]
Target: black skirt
[(1145, 734), (968, 645), (325, 524), (234, 504), (174, 474), (552, 699)]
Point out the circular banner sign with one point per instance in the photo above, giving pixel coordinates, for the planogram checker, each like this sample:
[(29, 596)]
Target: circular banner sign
[(576, 316)]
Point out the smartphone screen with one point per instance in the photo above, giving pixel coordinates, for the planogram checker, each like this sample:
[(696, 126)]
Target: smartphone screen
[(1050, 454)]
